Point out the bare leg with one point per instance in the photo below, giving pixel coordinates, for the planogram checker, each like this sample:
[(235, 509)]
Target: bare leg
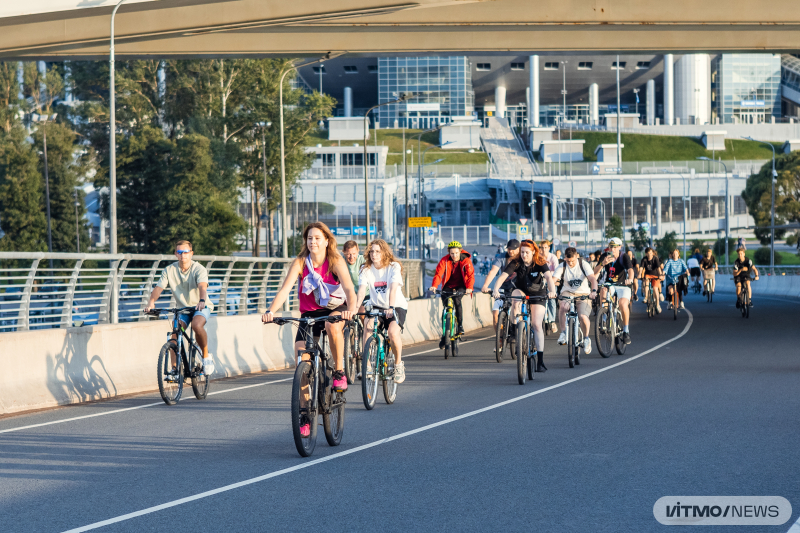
[(625, 309), (397, 342), (336, 337), (537, 316), (200, 335), (562, 315)]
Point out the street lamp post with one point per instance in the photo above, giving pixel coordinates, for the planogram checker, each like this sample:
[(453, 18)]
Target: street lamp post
[(402, 98), (727, 220), (421, 191), (405, 175), (553, 207), (602, 212), (622, 195), (683, 202), (268, 240), (772, 214), (43, 120)]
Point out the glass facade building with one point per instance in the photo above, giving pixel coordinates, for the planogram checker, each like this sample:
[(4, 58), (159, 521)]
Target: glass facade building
[(746, 88), (444, 83)]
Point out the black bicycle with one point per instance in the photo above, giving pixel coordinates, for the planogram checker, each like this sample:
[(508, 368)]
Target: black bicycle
[(171, 375), (312, 392), (608, 324), (503, 335), (352, 349), (449, 325)]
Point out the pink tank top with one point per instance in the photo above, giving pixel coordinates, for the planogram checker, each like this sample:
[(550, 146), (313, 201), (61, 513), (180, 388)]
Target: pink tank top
[(307, 301)]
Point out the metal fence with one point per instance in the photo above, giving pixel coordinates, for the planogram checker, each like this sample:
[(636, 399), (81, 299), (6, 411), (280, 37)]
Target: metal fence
[(41, 290), (740, 167), (467, 235)]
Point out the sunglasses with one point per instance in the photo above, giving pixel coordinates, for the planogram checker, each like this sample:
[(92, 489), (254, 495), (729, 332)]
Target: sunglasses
[(181, 252)]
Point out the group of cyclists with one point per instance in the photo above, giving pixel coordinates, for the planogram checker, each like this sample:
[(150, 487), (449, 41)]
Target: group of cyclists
[(331, 283)]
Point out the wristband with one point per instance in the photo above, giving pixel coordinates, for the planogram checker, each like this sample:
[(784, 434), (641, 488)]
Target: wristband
[(202, 299)]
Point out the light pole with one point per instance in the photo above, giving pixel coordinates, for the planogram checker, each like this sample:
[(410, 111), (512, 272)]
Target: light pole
[(553, 207), (683, 201), (727, 223), (284, 240), (77, 224), (619, 134), (622, 195), (602, 212), (43, 120), (268, 240), (112, 142), (405, 173), (403, 97), (772, 215)]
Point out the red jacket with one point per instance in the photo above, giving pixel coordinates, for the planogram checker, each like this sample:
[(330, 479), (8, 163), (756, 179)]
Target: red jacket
[(445, 269)]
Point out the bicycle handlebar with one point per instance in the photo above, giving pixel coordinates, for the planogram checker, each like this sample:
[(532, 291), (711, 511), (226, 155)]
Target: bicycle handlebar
[(284, 320), (583, 297), (456, 292), (178, 310)]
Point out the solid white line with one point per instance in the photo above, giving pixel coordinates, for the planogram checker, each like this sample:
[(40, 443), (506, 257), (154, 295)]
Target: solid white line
[(116, 411), (277, 473), (438, 350), (795, 527)]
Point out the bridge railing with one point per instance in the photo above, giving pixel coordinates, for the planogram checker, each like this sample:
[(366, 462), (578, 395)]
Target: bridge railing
[(41, 290)]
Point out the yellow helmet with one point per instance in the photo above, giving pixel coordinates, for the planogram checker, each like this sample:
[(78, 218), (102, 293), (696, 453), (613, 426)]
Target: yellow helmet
[(454, 244)]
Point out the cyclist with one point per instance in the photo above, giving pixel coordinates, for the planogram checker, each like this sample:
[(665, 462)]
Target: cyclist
[(512, 252), (532, 278), (552, 263), (325, 289), (694, 267), (189, 283), (455, 271), (674, 268), (650, 271), (575, 276), (709, 266), (618, 269), (353, 259), (742, 268), (632, 257), (382, 276)]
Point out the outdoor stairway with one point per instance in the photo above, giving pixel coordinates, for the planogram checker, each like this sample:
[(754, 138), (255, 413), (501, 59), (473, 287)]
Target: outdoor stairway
[(508, 156)]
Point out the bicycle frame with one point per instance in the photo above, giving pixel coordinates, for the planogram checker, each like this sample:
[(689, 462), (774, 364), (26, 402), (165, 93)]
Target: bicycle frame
[(179, 332), (381, 337)]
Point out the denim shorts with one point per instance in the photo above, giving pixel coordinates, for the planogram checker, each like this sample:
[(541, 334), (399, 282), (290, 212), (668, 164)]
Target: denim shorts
[(187, 318)]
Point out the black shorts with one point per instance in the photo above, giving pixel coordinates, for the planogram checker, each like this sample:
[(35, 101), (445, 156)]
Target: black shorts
[(399, 317), (318, 327), (542, 302), (741, 279), (695, 271)]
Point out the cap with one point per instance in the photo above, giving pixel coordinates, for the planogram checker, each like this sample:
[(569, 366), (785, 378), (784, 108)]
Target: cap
[(513, 244), (615, 241)]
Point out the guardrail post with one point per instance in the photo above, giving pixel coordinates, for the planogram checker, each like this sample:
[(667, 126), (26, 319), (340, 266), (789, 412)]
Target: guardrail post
[(25, 302), (223, 294), (66, 321), (287, 304), (148, 287), (246, 289), (262, 293), (120, 275)]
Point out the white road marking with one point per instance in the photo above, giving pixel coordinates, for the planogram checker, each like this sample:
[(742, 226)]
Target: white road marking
[(437, 349), (795, 527), (345, 453), (117, 411)]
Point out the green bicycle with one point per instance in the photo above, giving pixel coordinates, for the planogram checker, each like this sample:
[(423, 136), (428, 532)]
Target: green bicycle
[(449, 322), (377, 361)]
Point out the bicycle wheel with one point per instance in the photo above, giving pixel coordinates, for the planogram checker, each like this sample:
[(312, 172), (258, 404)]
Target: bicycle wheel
[(369, 373), (511, 341), (333, 421), (578, 344), (389, 385), (454, 347), (619, 344), (500, 335), (349, 354), (305, 446), (522, 352), (170, 384), (200, 382), (603, 336), (675, 303), (448, 327), (570, 344)]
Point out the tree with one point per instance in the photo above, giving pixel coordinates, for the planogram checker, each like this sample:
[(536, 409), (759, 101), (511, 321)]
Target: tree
[(639, 238), (758, 195), (665, 245), (762, 256), (614, 227)]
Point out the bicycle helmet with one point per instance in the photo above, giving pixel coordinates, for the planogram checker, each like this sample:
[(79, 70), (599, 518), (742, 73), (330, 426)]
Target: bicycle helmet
[(454, 244)]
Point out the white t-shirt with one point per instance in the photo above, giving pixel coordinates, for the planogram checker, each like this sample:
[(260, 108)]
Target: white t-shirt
[(693, 263), (379, 280), (576, 281)]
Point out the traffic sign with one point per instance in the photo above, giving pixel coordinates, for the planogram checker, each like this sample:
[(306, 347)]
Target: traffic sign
[(431, 232), (523, 230), (523, 221), (556, 241), (419, 222), (440, 244), (573, 244)]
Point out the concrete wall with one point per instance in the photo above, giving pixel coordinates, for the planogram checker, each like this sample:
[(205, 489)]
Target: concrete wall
[(46, 368), (787, 286)]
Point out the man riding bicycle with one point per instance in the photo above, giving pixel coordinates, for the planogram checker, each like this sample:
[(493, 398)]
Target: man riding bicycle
[(454, 272), (743, 268), (512, 252), (674, 268), (709, 266), (575, 275), (618, 270), (650, 271), (189, 283)]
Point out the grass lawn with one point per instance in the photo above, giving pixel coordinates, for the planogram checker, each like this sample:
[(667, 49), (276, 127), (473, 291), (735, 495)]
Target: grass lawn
[(638, 147), (394, 140)]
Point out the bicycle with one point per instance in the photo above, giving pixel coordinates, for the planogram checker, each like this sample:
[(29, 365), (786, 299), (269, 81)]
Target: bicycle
[(651, 297), (353, 332), (320, 398), (608, 325), (449, 322), (574, 333), (525, 339), (502, 336), (707, 284), (675, 302), (172, 375), (744, 301), (378, 362), (696, 286)]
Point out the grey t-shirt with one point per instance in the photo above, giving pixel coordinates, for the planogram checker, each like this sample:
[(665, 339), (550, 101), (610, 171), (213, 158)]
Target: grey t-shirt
[(184, 284)]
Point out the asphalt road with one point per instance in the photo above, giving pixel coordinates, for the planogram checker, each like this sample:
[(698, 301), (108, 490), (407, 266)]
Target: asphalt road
[(708, 408)]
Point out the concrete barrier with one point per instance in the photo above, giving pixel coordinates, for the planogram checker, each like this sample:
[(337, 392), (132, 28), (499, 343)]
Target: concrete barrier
[(47, 368), (778, 286)]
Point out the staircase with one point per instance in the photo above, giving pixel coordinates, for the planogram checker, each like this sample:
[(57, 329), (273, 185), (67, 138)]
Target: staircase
[(508, 156)]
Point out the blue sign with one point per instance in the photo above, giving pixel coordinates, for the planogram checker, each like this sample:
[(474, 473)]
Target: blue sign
[(357, 230), (753, 103), (341, 231)]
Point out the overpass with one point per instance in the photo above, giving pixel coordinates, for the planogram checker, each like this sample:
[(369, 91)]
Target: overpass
[(57, 29)]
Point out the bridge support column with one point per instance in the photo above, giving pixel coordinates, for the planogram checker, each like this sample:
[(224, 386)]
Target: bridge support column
[(669, 91), (500, 101), (533, 91)]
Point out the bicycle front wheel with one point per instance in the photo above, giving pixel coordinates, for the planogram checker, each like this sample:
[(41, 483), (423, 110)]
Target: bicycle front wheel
[(618, 342), (369, 373), (200, 382), (389, 385), (333, 421), (570, 344), (500, 335), (603, 335), (303, 386), (448, 327), (522, 352), (170, 384)]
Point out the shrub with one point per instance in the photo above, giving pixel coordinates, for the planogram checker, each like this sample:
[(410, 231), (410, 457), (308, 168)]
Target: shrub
[(761, 257)]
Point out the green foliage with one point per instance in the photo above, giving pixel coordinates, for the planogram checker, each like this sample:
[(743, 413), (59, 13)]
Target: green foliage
[(665, 245), (758, 195), (697, 244), (762, 256), (793, 240), (614, 228), (639, 238), (719, 248)]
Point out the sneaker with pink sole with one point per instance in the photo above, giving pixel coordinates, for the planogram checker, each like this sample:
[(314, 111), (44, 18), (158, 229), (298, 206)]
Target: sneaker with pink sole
[(339, 381)]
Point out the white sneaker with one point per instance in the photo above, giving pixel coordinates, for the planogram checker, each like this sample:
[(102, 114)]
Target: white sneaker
[(562, 339), (400, 372), (682, 307), (658, 307), (587, 345), (208, 365), (553, 327)]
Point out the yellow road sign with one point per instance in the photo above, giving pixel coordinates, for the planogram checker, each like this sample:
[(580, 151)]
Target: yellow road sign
[(419, 222), (522, 230)]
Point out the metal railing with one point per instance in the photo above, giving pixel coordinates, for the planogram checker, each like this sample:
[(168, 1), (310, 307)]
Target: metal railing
[(738, 168), (88, 289)]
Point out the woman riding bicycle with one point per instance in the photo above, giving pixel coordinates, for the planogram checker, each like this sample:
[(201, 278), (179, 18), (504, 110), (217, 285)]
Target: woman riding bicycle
[(533, 278), (325, 289), (382, 277), (650, 268), (674, 268)]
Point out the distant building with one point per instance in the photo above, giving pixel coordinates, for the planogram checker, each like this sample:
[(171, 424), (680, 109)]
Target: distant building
[(746, 88)]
